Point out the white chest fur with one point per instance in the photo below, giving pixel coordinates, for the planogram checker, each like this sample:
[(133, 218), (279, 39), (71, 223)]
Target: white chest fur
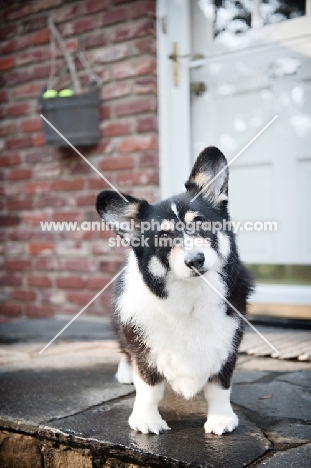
[(189, 334)]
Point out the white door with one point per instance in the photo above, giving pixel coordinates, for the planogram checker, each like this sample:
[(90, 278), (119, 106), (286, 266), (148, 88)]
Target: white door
[(250, 75)]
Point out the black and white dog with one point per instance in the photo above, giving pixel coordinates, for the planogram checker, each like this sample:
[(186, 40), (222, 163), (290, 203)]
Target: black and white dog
[(172, 326)]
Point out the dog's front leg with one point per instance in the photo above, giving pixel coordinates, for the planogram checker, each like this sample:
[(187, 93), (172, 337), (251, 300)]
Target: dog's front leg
[(220, 415), (145, 416)]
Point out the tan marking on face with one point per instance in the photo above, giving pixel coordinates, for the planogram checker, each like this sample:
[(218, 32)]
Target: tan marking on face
[(131, 209), (190, 215), (167, 225)]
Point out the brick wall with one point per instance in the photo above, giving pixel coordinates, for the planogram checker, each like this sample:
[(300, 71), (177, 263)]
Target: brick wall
[(48, 273)]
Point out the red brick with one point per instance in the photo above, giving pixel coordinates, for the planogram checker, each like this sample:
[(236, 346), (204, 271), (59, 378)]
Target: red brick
[(19, 143), (10, 280), (34, 56), (56, 202), (97, 184), (38, 140), (33, 311), (149, 160), (137, 106), (6, 63), (48, 264), (38, 5), (18, 76), (70, 282), (81, 265), (13, 45), (110, 267), (115, 15), (146, 85), (147, 124), (41, 37), (21, 235), (66, 13), (8, 31), (145, 45), (96, 283), (143, 8), (20, 174), (105, 112), (111, 129), (18, 109), (116, 90), (47, 170), (68, 185), (117, 163), (33, 188), (42, 71), (138, 143), (8, 129), (137, 178), (9, 220), (28, 90), (22, 295), (35, 218), (143, 66), (111, 53), (17, 12), (11, 310), (23, 204), (34, 24), (81, 298), (86, 200), (10, 160), (92, 6), (128, 31), (83, 25), (31, 125), (95, 40), (39, 281), (42, 248), (4, 96), (67, 216), (17, 265)]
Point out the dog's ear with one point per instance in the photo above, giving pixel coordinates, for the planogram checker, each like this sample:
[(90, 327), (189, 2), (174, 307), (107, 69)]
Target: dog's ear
[(210, 175), (120, 215)]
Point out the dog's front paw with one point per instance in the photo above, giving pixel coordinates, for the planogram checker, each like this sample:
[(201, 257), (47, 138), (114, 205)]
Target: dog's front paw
[(148, 422), (221, 423)]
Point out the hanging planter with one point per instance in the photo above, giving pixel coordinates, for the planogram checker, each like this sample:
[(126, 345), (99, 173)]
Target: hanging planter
[(76, 117), (73, 113)]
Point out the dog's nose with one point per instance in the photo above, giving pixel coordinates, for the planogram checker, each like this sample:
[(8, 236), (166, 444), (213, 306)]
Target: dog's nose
[(195, 260)]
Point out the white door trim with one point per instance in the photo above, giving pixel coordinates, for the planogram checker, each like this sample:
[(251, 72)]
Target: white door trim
[(174, 102)]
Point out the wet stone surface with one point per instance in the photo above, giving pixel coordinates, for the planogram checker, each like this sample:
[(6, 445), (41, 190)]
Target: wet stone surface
[(289, 432), (299, 457), (75, 401), (40, 396), (186, 442), (274, 399)]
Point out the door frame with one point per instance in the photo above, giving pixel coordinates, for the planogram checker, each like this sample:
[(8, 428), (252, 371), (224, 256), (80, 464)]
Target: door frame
[(174, 111)]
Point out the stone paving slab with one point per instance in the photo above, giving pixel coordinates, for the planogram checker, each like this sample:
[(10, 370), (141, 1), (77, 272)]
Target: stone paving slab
[(299, 457), (186, 443), (274, 399), (289, 432), (37, 396)]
